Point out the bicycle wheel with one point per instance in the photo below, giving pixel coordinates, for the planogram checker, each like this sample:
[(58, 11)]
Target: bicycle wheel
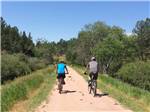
[(60, 85), (94, 87), (89, 87)]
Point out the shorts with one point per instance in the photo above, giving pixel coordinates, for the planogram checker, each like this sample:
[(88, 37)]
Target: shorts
[(95, 75), (61, 76)]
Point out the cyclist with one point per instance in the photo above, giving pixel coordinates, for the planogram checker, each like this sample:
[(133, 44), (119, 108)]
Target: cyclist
[(93, 69), (60, 70)]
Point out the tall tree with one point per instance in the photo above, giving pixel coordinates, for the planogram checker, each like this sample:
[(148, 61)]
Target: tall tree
[(142, 31), (27, 44)]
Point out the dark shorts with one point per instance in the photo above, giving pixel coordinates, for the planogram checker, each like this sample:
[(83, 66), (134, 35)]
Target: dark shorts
[(61, 76), (95, 75)]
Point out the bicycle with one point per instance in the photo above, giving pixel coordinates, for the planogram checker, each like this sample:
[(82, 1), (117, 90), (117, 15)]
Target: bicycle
[(92, 86), (60, 84)]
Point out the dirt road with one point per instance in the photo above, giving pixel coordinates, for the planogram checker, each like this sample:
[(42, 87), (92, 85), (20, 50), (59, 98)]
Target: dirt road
[(75, 97)]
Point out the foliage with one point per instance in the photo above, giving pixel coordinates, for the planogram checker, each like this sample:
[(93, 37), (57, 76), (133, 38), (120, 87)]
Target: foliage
[(88, 37), (45, 50), (15, 42), (12, 66), (20, 55), (108, 52), (142, 30), (137, 74), (17, 65), (35, 63)]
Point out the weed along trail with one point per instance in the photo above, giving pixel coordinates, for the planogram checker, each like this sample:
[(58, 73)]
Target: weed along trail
[(75, 97)]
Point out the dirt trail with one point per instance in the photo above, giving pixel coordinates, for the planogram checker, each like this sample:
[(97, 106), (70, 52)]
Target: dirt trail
[(75, 97)]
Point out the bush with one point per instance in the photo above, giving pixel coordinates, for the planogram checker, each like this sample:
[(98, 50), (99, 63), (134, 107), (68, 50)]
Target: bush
[(12, 67), (35, 63), (137, 74), (15, 65)]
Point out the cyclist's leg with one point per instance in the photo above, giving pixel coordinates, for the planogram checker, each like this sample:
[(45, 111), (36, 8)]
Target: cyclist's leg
[(90, 76), (95, 77), (58, 77), (63, 75)]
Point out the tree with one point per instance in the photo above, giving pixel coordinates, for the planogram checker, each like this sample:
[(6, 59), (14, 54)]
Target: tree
[(61, 47), (27, 44), (14, 42), (130, 49), (116, 32), (142, 31), (45, 50), (87, 39), (109, 53)]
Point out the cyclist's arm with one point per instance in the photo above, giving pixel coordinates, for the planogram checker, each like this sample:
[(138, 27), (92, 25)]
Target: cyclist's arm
[(87, 67), (66, 69)]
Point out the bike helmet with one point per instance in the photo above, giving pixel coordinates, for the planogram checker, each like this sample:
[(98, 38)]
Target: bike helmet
[(93, 58)]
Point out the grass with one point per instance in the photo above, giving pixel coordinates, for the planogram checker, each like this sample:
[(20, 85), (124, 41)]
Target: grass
[(19, 89), (43, 91), (134, 98)]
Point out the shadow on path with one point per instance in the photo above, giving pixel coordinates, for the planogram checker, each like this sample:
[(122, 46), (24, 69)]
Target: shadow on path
[(67, 91), (100, 95)]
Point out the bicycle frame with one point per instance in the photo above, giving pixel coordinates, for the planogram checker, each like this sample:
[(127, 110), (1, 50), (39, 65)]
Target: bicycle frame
[(93, 86)]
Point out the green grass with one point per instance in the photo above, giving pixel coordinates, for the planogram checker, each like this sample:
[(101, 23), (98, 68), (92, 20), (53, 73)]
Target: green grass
[(20, 88), (134, 98), (43, 93)]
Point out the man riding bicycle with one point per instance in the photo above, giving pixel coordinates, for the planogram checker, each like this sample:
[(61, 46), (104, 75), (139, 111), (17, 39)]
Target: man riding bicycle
[(60, 71), (93, 69)]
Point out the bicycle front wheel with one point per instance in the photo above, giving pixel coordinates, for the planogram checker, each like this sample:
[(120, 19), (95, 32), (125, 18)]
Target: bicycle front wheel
[(89, 87)]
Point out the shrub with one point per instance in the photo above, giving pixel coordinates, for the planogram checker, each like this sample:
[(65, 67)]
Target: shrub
[(137, 74), (15, 65), (12, 67), (35, 63)]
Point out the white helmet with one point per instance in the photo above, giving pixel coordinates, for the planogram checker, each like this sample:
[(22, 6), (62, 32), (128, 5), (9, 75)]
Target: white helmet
[(93, 58)]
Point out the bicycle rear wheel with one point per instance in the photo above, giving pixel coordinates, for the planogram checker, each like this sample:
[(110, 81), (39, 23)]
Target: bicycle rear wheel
[(94, 88), (60, 86)]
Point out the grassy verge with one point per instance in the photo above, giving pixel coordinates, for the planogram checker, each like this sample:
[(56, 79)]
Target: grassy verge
[(43, 92), (20, 88), (134, 98)]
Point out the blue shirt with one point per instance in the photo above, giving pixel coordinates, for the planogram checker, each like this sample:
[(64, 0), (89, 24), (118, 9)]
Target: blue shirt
[(61, 68)]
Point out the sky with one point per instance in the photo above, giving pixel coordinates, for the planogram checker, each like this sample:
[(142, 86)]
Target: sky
[(55, 20)]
